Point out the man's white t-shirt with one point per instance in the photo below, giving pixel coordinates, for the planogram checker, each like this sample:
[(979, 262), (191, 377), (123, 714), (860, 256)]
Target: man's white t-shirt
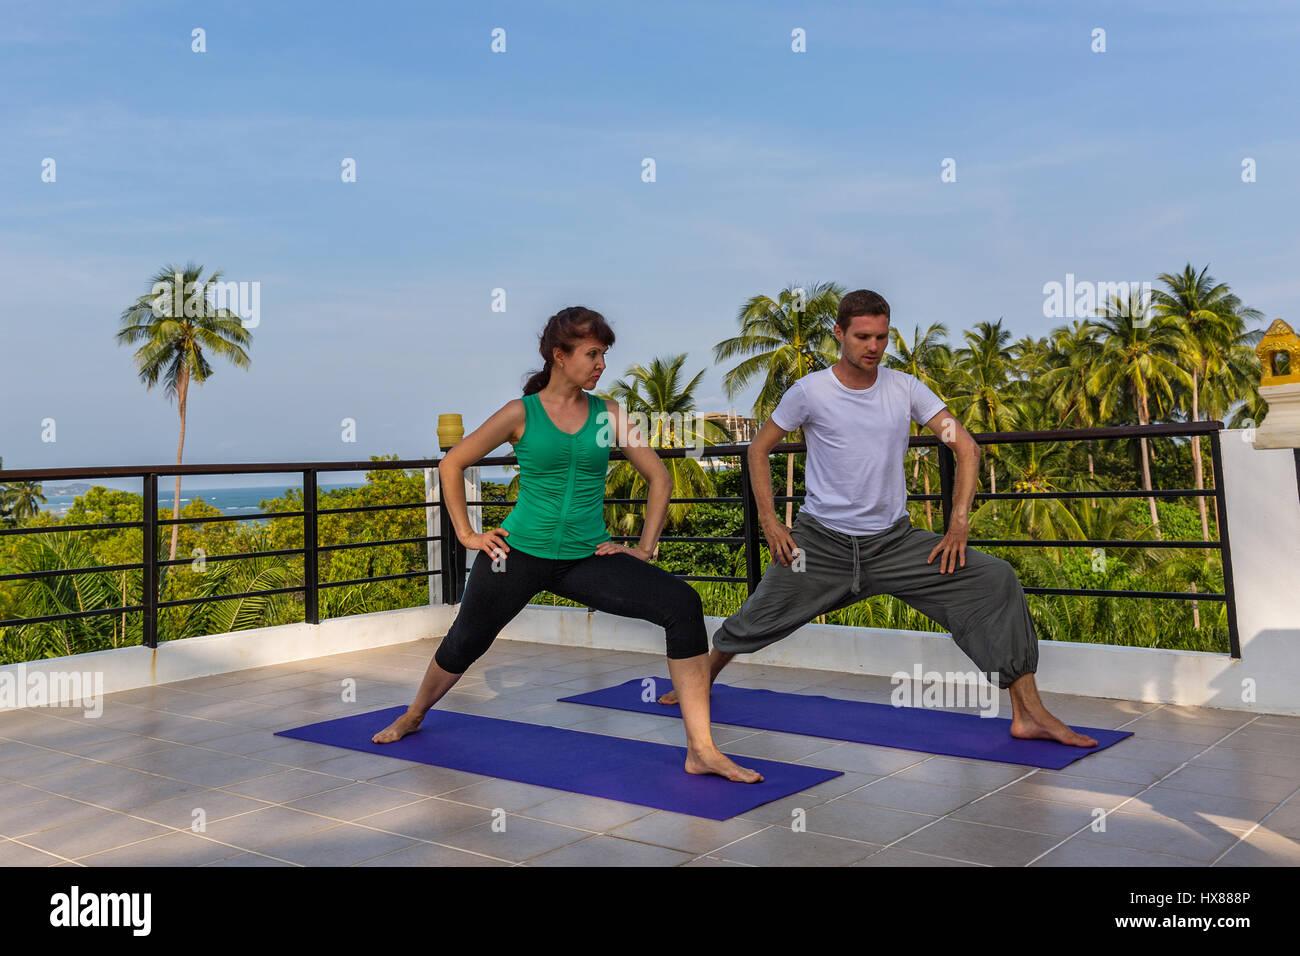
[(857, 440)]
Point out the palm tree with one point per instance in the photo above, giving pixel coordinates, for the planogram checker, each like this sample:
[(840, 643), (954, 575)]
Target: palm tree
[(784, 338), (18, 499), (1071, 354), (1038, 467), (174, 342), (927, 358), (1210, 319), (657, 392), (1138, 359), (1027, 356), (1233, 393), (1234, 384), (982, 379), (60, 594)]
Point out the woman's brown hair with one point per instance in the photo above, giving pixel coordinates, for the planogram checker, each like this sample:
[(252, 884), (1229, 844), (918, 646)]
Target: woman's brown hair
[(564, 330)]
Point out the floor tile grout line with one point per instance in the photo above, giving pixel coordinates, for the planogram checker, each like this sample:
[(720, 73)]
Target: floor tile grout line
[(270, 804), (1259, 823), (221, 789), (1120, 806), (831, 800), (194, 746), (739, 839), (955, 809)]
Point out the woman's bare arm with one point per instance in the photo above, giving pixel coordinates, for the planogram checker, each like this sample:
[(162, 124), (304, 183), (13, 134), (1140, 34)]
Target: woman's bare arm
[(505, 425)]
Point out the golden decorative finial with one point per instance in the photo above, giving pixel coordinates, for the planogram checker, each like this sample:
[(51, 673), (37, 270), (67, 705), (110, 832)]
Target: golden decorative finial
[(1279, 355)]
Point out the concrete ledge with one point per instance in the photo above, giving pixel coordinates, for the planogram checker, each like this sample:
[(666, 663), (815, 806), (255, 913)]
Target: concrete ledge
[(127, 668)]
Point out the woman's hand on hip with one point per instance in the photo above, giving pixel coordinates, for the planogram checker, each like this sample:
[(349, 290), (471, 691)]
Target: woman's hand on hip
[(613, 547), (492, 542)]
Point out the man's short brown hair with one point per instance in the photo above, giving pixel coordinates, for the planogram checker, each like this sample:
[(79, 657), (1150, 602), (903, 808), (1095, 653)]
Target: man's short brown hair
[(860, 302)]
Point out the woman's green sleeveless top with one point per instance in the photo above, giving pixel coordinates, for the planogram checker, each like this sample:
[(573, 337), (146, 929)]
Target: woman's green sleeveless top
[(560, 512)]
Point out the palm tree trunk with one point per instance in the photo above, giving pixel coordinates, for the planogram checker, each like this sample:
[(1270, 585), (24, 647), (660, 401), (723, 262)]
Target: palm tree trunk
[(993, 488), (789, 490), (929, 517), (916, 470), (182, 391), (1197, 465), (1146, 465), (1092, 475)]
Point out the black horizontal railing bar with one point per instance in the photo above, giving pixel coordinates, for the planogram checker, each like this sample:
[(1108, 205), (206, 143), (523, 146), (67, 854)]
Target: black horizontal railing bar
[(1129, 493), (1085, 543), (1106, 433), (215, 518), (15, 621), (252, 468), (681, 539), (675, 501), (999, 496), (289, 590), (375, 544), (1109, 433), (217, 598), (1172, 429), (74, 527), (229, 557), (403, 504), (382, 577), (707, 577), (28, 575), (1099, 592)]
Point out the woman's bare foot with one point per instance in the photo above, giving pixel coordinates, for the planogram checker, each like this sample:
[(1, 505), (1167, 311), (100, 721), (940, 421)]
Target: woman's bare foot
[(1047, 727), (398, 729), (715, 761), (668, 698)]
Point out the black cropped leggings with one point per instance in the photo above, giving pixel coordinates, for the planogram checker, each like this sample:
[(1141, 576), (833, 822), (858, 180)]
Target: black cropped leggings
[(616, 583)]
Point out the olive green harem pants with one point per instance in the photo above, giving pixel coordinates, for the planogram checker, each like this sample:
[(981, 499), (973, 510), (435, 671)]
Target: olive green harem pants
[(981, 604)]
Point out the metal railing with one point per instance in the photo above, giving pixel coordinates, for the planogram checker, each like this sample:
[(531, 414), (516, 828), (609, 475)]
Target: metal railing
[(452, 554)]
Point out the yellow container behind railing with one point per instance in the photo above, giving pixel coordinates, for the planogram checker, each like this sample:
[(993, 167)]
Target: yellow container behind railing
[(450, 430)]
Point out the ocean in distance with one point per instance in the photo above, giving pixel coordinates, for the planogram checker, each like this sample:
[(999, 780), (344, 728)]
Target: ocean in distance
[(229, 501)]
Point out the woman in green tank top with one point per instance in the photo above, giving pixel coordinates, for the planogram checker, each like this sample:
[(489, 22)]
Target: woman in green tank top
[(555, 537)]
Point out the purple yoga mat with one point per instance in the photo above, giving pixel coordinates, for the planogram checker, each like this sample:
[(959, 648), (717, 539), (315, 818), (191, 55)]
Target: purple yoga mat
[(634, 771), (908, 728)]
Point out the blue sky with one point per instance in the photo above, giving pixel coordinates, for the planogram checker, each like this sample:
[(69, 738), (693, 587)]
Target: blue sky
[(522, 171)]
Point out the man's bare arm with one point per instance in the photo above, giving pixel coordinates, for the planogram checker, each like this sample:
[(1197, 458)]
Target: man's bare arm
[(953, 546), (760, 476)]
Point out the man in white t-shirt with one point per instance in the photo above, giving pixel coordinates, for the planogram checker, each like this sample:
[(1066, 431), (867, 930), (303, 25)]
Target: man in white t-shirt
[(853, 537)]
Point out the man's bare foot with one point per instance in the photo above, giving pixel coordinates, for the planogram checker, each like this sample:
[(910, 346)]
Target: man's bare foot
[(715, 761), (1047, 727), (668, 698), (398, 729)]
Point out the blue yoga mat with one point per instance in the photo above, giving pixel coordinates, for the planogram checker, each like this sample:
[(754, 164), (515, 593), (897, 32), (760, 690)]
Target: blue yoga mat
[(634, 771), (908, 728)]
